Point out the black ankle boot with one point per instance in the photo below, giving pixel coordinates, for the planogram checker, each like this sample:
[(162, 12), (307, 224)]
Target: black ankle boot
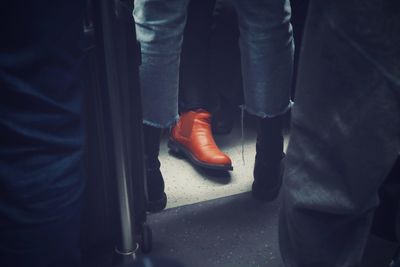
[(157, 199), (268, 166)]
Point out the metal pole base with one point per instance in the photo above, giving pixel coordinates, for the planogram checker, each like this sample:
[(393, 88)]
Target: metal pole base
[(125, 258)]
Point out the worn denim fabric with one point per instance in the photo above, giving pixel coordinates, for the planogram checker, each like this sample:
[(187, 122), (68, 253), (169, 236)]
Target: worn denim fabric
[(345, 134), (266, 44), (41, 143)]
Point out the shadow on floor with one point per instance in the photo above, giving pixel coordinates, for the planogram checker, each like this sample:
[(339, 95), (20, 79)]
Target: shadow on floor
[(230, 231)]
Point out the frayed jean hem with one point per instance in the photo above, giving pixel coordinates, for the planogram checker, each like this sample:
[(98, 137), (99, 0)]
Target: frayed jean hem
[(162, 125), (263, 115)]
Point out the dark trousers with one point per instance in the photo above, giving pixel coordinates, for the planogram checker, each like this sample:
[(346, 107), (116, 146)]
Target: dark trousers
[(345, 134), (210, 70), (41, 133), (299, 13)]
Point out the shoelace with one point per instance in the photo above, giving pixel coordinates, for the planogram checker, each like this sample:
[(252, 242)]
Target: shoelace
[(242, 128)]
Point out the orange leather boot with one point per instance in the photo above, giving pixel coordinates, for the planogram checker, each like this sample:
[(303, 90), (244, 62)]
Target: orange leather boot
[(192, 137)]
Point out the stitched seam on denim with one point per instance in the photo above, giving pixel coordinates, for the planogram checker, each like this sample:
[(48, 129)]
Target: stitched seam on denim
[(265, 115)]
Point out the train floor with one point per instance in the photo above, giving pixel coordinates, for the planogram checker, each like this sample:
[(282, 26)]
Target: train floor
[(211, 218), (233, 231)]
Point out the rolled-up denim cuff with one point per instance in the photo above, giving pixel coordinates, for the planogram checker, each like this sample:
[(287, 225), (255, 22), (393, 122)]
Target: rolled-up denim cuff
[(263, 114), (162, 125)]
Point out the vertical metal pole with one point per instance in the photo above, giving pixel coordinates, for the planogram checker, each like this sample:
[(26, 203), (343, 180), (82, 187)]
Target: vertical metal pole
[(127, 243)]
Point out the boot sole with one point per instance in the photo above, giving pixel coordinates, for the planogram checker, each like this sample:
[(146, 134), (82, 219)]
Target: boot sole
[(176, 147), (266, 195), (269, 194)]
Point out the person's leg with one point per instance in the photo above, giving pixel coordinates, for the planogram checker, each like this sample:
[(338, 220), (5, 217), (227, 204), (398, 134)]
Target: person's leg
[(192, 135), (51, 244), (157, 199), (268, 166), (385, 217), (159, 30), (299, 13), (345, 137), (225, 68), (266, 45), (194, 90), (383, 243), (41, 144)]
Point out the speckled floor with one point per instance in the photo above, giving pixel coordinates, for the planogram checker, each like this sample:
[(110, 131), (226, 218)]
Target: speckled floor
[(234, 231), (186, 184)]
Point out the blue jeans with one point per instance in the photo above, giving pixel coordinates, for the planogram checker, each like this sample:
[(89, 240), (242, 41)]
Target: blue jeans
[(345, 133), (41, 144), (266, 45)]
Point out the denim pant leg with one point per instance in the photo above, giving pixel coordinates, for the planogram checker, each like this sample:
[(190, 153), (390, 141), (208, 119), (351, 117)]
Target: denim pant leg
[(159, 30), (266, 45), (345, 137), (41, 144)]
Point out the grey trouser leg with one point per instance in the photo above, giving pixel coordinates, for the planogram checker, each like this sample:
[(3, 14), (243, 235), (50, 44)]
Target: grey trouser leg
[(345, 138)]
